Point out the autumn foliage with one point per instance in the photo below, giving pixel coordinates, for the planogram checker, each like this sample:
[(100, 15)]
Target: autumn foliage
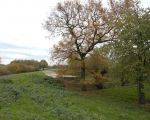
[(19, 66)]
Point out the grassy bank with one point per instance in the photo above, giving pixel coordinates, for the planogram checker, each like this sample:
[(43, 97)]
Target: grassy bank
[(29, 96)]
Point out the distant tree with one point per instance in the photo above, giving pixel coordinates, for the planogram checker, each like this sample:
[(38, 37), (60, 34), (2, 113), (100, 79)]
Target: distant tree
[(17, 68), (43, 64), (31, 65), (82, 27)]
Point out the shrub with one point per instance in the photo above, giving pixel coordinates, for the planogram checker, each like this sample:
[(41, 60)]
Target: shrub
[(4, 70), (17, 68)]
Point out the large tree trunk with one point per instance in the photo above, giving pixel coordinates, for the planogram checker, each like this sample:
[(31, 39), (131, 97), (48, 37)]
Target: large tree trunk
[(140, 86), (83, 69), (83, 87), (141, 94)]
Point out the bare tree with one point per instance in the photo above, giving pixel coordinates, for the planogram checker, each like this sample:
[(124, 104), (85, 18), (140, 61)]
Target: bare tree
[(82, 27)]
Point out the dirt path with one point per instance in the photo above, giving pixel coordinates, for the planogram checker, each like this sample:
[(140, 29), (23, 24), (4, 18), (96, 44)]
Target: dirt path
[(51, 73), (54, 74)]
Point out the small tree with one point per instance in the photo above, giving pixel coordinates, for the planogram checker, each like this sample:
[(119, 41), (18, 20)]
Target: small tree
[(82, 27), (43, 64), (97, 66)]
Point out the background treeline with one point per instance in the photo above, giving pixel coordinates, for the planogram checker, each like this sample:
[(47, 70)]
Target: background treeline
[(19, 66)]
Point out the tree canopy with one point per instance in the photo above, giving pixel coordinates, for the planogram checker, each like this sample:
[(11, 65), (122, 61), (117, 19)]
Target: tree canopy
[(82, 27)]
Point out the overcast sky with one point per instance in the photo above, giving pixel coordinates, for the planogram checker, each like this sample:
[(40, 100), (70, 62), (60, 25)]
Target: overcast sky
[(21, 33)]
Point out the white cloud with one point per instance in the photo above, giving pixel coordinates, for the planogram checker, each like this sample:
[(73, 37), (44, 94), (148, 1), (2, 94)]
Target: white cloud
[(21, 25)]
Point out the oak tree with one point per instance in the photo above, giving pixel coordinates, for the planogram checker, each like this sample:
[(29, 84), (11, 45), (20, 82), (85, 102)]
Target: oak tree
[(82, 26)]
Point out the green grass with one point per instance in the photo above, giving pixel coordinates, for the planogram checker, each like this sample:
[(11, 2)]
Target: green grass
[(28, 96)]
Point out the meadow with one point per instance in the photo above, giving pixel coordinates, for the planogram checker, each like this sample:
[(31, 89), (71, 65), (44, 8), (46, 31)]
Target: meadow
[(34, 96)]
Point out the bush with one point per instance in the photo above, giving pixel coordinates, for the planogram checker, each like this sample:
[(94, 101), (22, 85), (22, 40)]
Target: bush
[(19, 66), (4, 70)]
